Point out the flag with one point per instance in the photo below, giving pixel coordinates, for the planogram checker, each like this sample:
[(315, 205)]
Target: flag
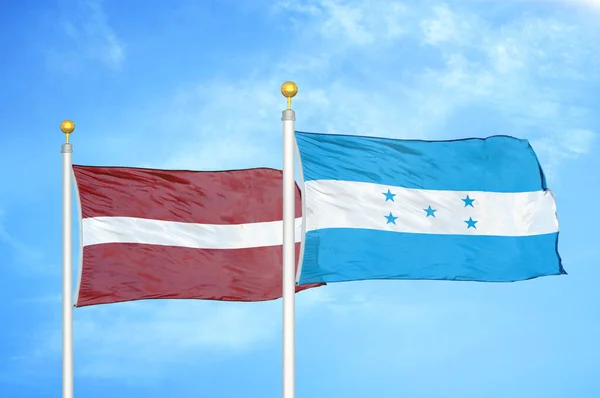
[(472, 209), (150, 234)]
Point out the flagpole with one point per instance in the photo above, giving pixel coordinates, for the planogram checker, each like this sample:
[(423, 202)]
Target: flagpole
[(67, 127), (289, 90)]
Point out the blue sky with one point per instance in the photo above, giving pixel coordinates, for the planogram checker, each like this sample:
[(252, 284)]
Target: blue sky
[(195, 84)]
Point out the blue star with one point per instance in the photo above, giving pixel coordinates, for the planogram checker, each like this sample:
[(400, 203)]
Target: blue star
[(430, 211), (391, 219), (471, 223), (468, 201), (389, 196)]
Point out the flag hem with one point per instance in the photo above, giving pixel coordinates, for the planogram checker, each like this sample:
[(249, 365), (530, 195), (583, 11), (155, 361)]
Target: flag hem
[(176, 170), (80, 224), (300, 258)]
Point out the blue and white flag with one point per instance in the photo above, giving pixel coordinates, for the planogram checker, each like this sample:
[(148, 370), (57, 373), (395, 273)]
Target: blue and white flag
[(472, 210)]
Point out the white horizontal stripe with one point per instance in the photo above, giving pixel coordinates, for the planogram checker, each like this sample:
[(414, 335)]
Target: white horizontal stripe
[(99, 230), (346, 204)]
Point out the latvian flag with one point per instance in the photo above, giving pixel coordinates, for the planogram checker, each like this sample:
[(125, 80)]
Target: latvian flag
[(150, 234)]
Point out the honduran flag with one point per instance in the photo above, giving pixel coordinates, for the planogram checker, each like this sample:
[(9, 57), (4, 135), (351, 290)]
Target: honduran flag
[(471, 209), (150, 234)]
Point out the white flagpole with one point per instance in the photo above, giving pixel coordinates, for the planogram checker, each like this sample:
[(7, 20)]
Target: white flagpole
[(67, 127), (289, 90)]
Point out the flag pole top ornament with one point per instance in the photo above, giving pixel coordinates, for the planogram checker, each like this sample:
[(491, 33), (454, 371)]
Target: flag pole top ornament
[(289, 90), (67, 127)]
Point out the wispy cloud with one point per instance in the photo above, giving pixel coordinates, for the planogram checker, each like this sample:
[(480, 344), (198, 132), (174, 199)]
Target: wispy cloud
[(140, 340), (444, 27), (563, 145), (593, 5), (89, 37), (347, 22), (21, 252), (519, 77)]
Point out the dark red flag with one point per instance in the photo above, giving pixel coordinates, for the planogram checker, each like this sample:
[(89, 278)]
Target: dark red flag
[(151, 234)]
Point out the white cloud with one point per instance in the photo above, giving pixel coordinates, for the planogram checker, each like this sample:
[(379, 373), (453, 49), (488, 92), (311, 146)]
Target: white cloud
[(593, 5), (90, 37), (563, 145), (578, 142), (347, 23), (478, 64), (143, 339), (22, 253), (514, 74), (445, 27), (225, 125), (498, 66)]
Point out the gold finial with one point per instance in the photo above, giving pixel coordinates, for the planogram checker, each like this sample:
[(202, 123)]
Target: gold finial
[(67, 127), (289, 90)]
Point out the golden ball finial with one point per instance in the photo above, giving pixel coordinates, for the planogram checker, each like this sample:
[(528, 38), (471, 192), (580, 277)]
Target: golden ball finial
[(67, 126), (289, 89)]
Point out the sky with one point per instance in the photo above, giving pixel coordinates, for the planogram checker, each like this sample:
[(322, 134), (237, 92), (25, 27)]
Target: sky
[(196, 85)]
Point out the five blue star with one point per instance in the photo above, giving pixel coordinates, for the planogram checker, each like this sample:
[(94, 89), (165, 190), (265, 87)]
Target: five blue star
[(471, 223), (389, 196), (391, 219), (430, 211), (468, 201)]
